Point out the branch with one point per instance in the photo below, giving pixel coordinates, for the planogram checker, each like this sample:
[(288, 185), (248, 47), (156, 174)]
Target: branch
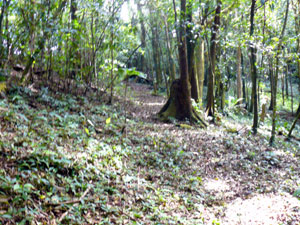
[(133, 52), (101, 38), (224, 11), (261, 5)]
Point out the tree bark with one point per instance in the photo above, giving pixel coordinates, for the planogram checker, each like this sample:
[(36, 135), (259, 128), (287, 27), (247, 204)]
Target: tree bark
[(294, 123), (210, 108), (179, 104), (253, 71), (156, 56), (171, 66), (185, 99), (239, 77), (190, 54), (272, 139), (271, 76), (143, 37), (200, 68)]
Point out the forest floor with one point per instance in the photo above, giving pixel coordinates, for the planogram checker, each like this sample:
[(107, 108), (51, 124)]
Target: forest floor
[(75, 160)]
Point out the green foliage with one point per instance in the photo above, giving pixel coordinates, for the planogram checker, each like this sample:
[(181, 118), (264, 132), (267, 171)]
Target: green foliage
[(297, 193)]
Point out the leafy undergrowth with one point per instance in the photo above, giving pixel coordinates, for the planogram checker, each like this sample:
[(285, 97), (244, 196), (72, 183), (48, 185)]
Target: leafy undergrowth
[(73, 160)]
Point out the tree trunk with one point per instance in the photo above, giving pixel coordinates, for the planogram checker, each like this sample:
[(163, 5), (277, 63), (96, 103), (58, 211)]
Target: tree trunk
[(185, 98), (41, 43), (4, 8), (271, 75), (272, 139), (191, 54), (210, 107), (74, 46), (286, 81), (239, 77), (245, 96), (156, 56), (110, 101), (253, 71), (292, 95), (179, 104), (199, 60), (282, 90), (172, 69), (295, 122), (143, 37)]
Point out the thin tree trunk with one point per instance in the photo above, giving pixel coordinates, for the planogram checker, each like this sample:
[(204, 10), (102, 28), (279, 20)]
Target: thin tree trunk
[(172, 68), (143, 37), (112, 58), (253, 71), (4, 8), (294, 123), (282, 90), (271, 75), (200, 68), (239, 77), (286, 81), (272, 139), (292, 95), (245, 96), (156, 56), (41, 42)]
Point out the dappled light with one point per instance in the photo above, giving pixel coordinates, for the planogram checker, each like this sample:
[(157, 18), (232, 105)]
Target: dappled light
[(150, 112), (263, 209)]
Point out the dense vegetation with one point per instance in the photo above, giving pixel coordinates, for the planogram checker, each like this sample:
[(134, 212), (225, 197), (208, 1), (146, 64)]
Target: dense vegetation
[(149, 112)]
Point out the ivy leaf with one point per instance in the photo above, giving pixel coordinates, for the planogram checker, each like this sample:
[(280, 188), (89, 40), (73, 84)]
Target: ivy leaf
[(108, 120), (87, 131)]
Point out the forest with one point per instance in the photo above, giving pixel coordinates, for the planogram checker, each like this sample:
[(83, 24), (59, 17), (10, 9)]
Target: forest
[(150, 112)]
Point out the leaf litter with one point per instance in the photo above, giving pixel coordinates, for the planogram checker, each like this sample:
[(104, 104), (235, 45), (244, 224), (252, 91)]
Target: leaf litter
[(74, 160)]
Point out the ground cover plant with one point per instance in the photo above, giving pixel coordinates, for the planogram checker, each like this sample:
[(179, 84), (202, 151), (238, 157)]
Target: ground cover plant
[(149, 112), (69, 159)]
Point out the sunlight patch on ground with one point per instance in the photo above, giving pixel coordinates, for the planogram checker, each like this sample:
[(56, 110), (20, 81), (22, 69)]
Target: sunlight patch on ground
[(264, 130), (216, 185), (154, 103), (263, 209)]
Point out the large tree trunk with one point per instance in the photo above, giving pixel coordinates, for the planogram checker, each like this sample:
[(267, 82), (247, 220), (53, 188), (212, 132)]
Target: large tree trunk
[(179, 104), (210, 107), (184, 97)]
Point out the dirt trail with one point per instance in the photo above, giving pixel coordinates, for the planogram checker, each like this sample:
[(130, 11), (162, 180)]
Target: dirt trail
[(244, 180), (147, 104)]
